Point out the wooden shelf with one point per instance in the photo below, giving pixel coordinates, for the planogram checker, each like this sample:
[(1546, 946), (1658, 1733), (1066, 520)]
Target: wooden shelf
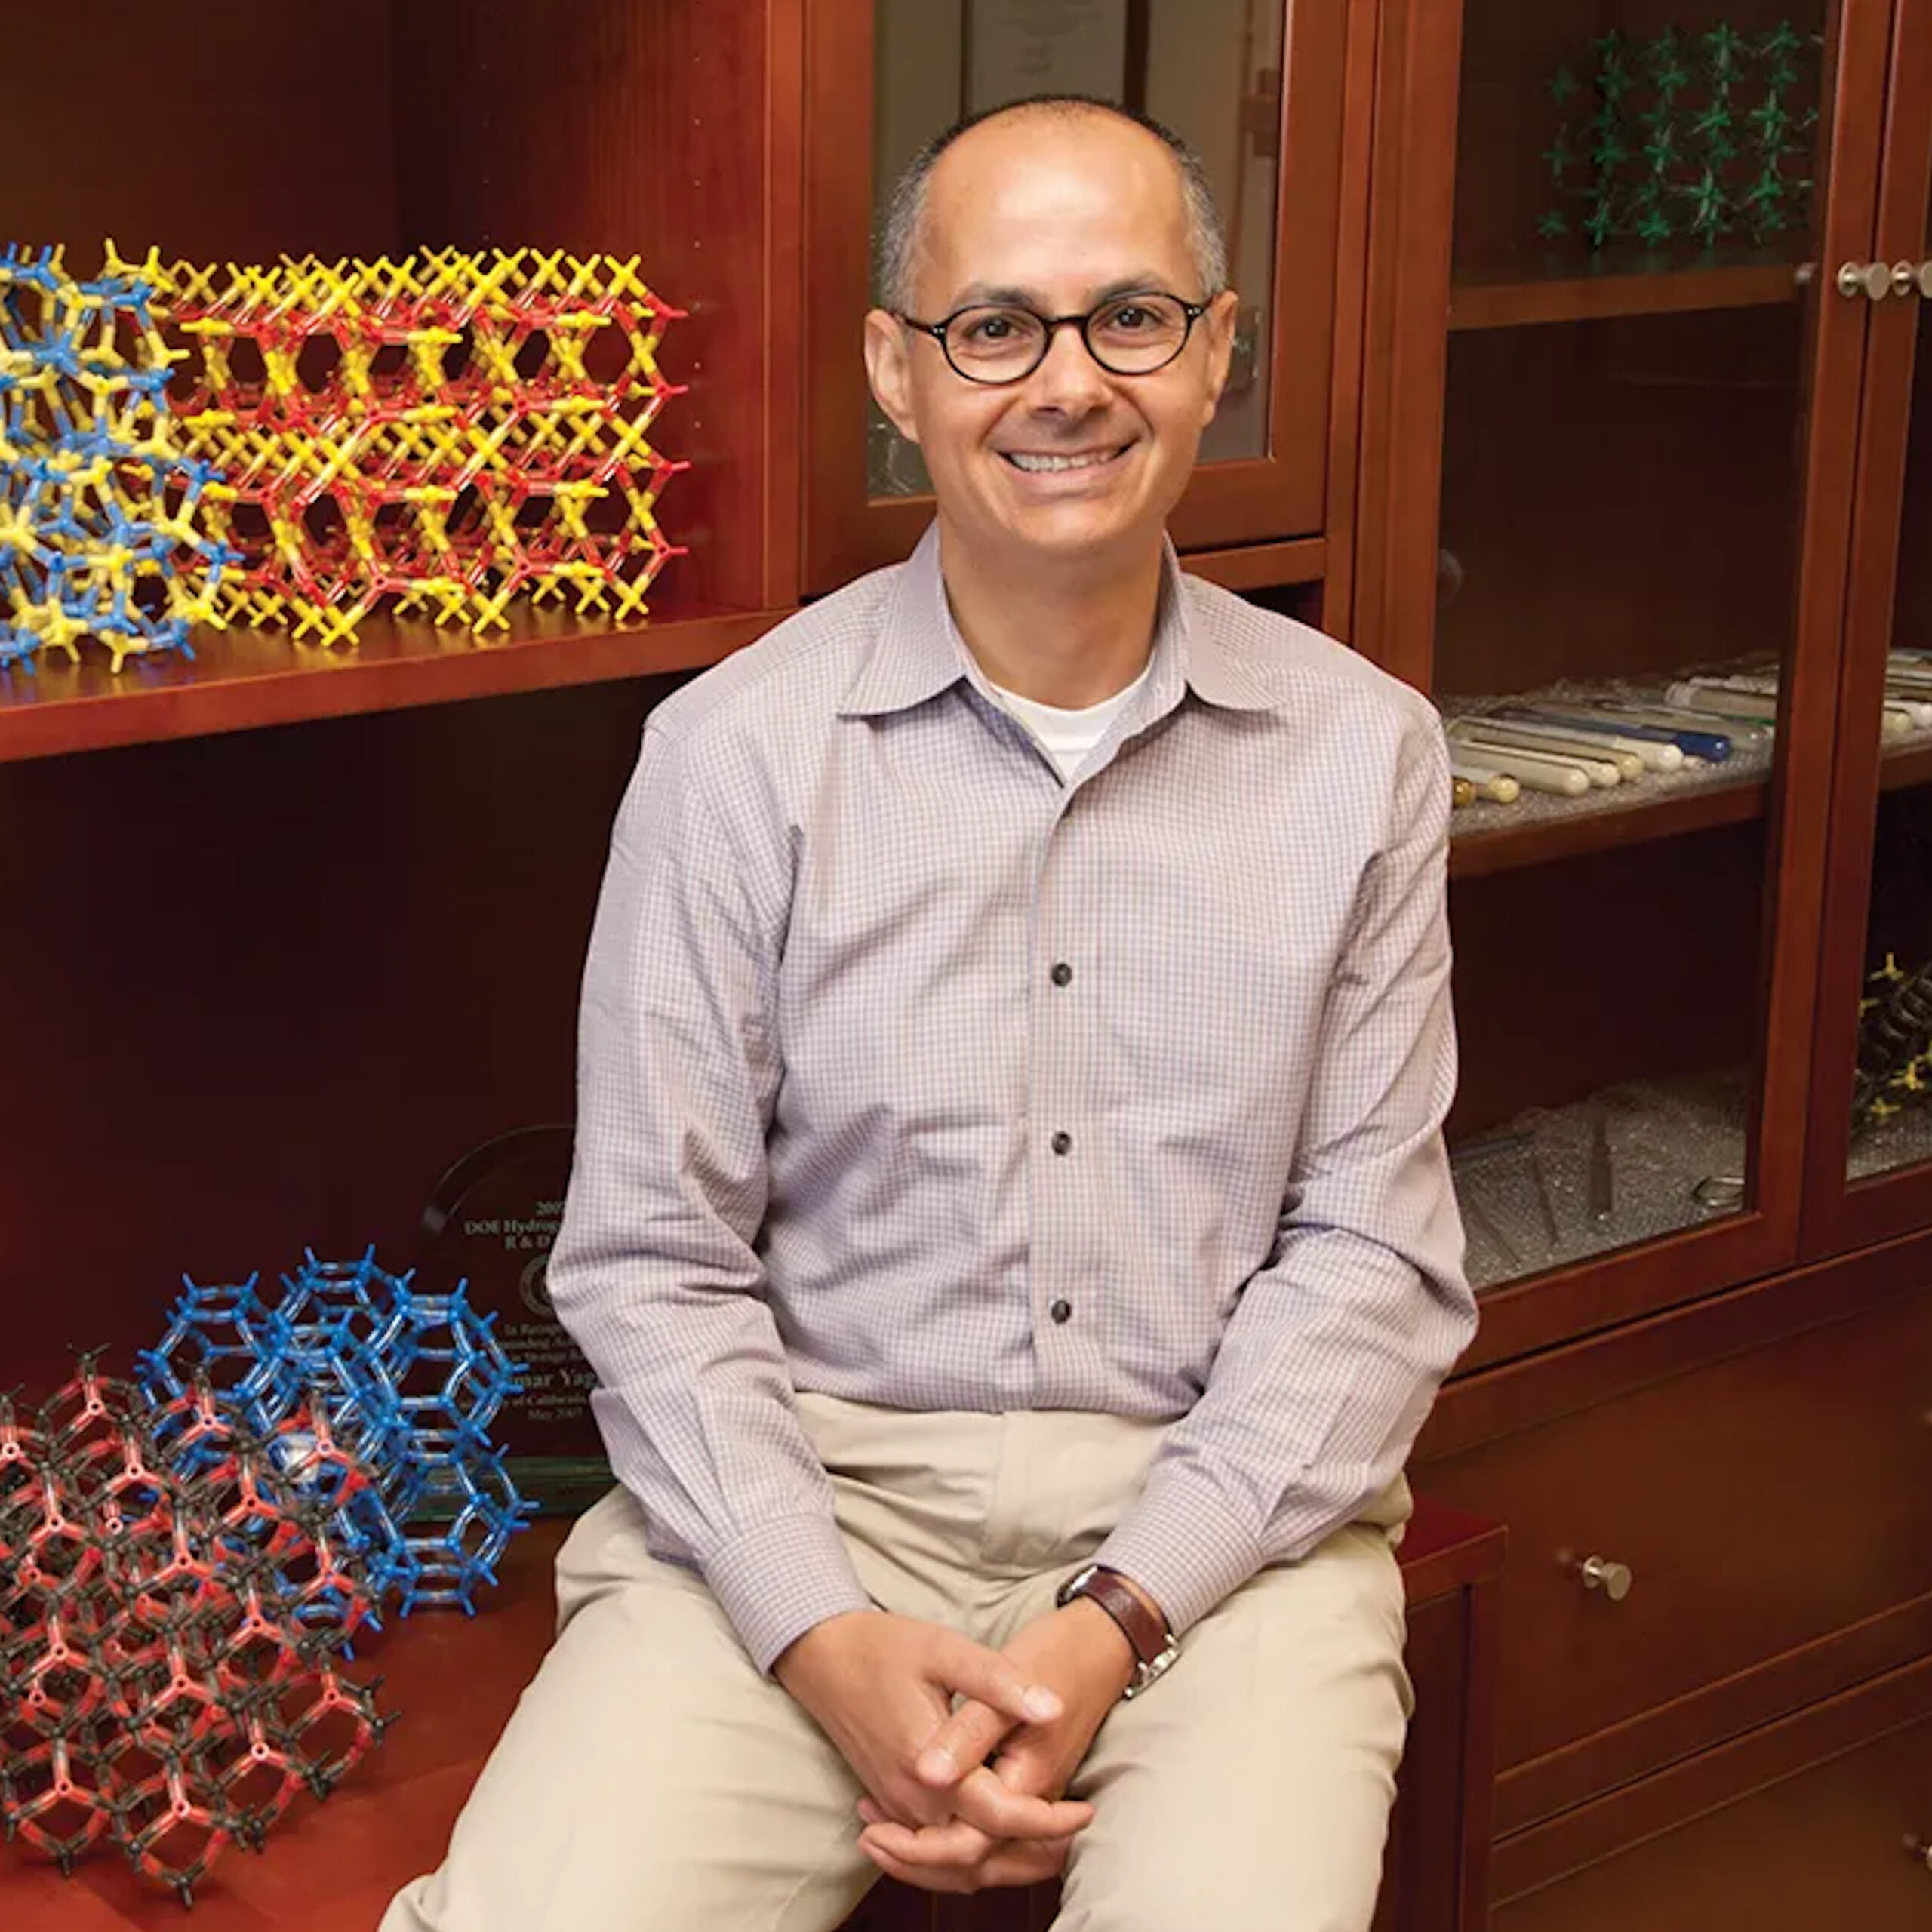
[(1507, 847), (241, 680), (1911, 765), (1620, 288)]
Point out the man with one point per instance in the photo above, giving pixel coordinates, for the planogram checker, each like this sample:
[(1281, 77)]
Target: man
[(1015, 1042)]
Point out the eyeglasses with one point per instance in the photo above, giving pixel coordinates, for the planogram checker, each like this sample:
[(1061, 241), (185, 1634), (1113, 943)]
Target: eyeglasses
[(994, 342)]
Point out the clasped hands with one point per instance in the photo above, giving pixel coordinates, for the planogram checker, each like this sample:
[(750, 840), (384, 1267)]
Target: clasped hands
[(958, 1799)]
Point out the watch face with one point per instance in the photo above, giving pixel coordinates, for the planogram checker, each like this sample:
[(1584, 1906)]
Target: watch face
[(1074, 1585)]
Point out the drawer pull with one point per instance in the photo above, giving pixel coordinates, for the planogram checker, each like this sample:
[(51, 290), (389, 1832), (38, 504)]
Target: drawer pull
[(1600, 1573), (1918, 1850)]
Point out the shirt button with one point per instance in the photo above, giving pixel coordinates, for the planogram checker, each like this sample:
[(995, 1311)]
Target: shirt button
[(1062, 975), (1062, 1311), (1062, 1143)]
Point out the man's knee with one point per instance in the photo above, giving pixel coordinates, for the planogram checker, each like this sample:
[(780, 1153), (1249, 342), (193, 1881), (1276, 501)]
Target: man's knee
[(1177, 1897)]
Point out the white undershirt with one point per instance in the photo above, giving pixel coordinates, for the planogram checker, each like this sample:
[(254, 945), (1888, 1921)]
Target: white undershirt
[(1067, 736)]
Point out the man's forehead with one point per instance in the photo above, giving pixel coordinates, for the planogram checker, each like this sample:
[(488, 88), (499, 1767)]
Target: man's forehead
[(1035, 193), (1041, 138)]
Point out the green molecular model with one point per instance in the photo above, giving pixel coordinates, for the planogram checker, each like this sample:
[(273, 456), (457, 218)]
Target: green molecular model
[(1684, 137)]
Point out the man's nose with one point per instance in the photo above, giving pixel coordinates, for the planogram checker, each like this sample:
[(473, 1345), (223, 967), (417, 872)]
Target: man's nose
[(1068, 377)]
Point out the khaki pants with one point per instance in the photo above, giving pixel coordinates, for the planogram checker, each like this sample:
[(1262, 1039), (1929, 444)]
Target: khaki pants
[(651, 1780)]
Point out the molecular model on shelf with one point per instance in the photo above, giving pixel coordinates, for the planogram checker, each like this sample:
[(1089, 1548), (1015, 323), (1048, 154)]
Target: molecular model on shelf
[(1685, 137), (174, 1614), (442, 433), (1894, 1064), (106, 528), (402, 1383)]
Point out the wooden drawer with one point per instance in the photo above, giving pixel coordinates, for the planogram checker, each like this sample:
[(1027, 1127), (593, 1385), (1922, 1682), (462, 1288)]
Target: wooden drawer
[(1824, 1848), (1765, 1503)]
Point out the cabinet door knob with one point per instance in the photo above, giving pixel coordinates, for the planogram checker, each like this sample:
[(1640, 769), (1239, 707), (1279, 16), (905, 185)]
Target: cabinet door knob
[(1918, 1850), (1872, 280), (1601, 1572), (1905, 278), (1922, 274)]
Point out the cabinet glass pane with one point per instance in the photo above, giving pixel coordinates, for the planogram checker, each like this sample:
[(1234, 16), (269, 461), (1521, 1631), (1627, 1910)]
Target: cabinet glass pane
[(1891, 1118), (1209, 69), (1635, 185)]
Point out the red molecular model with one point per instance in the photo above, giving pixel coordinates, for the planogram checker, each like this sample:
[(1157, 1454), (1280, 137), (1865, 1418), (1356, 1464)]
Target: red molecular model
[(444, 432), (174, 1613)]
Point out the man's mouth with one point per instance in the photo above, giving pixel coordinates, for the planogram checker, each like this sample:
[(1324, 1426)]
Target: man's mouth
[(1035, 464)]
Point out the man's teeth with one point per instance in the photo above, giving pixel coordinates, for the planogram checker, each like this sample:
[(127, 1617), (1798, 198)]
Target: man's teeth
[(1093, 457)]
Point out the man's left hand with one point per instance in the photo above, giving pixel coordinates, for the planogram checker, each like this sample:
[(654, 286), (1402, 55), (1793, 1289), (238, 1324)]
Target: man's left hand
[(1079, 1652)]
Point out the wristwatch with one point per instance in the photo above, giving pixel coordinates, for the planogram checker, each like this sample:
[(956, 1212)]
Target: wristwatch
[(1154, 1646)]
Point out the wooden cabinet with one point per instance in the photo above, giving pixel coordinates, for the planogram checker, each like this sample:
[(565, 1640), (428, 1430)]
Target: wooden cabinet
[(1584, 354), (1616, 452), (1263, 91), (378, 127), (1712, 1507), (1642, 428)]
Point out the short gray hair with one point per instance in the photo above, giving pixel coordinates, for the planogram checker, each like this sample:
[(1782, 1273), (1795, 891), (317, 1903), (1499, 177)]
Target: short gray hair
[(902, 233)]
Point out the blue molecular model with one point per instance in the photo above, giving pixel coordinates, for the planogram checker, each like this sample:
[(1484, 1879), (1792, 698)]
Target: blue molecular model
[(349, 1371), (100, 506)]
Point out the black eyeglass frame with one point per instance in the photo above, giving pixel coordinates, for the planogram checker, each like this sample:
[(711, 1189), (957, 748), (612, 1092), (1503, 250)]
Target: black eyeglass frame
[(1052, 325)]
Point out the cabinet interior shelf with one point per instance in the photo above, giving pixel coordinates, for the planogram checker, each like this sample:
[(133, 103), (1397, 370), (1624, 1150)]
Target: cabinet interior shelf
[(1910, 765), (239, 679), (1537, 841), (1617, 289)]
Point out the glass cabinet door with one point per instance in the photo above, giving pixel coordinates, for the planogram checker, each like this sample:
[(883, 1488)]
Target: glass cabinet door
[(1871, 1170), (1632, 642), (1891, 1086), (1254, 87)]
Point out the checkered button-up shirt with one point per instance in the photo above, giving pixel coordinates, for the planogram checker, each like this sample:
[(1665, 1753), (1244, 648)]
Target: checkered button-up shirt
[(911, 1074)]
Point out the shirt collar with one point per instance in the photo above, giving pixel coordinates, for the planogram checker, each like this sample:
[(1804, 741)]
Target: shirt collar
[(919, 653)]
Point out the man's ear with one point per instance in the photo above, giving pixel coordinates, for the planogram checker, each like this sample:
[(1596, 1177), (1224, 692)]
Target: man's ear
[(1219, 323), (889, 370)]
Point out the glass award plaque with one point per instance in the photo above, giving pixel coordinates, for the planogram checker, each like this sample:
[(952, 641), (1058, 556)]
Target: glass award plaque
[(490, 1220)]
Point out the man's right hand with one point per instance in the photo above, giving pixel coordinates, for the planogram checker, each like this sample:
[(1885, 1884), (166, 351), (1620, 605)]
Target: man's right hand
[(879, 1686)]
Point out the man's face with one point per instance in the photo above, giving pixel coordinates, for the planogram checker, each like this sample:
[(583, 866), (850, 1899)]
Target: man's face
[(1059, 213)]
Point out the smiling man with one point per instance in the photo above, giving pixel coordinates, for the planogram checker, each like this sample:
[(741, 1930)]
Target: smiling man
[(1009, 1221)]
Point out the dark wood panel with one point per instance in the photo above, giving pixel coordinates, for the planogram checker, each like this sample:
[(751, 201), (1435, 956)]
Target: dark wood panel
[(1596, 297), (241, 680), (1494, 1403), (1620, 498), (1673, 1732), (1692, 1482), (1411, 210), (1350, 342), (223, 160), (261, 990), (647, 131), (1261, 566), (1641, 962), (1802, 1825)]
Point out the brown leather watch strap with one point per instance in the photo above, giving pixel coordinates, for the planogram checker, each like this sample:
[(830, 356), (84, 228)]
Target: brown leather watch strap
[(1142, 1628)]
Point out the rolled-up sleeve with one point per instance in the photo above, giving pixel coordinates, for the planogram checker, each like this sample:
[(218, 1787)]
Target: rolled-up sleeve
[(1334, 1353), (656, 1271)]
